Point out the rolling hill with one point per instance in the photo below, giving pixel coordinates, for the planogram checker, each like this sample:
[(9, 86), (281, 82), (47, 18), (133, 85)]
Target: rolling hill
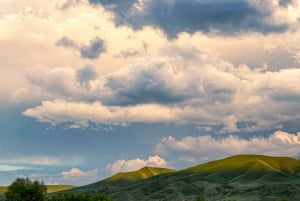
[(242, 177)]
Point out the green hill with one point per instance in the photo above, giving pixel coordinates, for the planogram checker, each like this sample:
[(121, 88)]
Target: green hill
[(242, 177), (140, 174), (283, 165)]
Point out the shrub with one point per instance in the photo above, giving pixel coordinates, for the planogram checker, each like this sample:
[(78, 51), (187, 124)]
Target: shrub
[(26, 190), (79, 197)]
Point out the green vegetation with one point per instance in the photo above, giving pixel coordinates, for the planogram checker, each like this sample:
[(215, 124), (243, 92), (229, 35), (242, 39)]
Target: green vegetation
[(283, 165), (50, 188), (26, 190), (79, 197), (240, 178), (56, 188), (237, 178), (141, 174)]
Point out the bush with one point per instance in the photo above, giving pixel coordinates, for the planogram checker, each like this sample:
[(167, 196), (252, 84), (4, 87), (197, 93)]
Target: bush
[(26, 190), (79, 197)]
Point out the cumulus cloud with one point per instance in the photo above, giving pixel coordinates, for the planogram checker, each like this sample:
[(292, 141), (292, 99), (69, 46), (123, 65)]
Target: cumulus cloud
[(182, 86), (76, 172), (152, 81), (206, 147), (60, 111), (222, 17), (135, 164), (94, 49), (74, 176)]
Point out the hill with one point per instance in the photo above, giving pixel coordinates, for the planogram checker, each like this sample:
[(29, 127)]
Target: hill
[(140, 174), (242, 177)]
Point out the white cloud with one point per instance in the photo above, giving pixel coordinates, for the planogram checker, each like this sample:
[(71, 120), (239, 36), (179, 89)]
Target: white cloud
[(182, 87), (278, 144), (279, 14), (32, 160), (60, 111), (197, 78), (74, 176), (9, 168), (135, 164), (76, 172)]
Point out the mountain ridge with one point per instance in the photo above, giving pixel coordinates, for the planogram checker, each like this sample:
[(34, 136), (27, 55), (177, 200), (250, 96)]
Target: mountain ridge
[(241, 177)]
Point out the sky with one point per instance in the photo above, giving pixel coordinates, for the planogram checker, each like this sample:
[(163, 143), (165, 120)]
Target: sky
[(90, 88)]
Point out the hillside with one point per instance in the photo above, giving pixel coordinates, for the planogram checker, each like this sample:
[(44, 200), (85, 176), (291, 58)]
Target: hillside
[(141, 174), (242, 177)]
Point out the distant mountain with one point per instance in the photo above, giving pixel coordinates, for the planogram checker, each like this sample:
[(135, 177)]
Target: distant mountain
[(242, 177)]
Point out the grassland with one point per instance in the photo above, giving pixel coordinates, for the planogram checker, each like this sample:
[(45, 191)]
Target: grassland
[(50, 188), (242, 177)]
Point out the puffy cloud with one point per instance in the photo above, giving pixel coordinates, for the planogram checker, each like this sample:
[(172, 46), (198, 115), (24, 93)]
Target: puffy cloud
[(135, 164), (60, 111), (152, 81), (94, 49), (222, 17), (206, 147), (74, 176), (182, 86), (76, 172)]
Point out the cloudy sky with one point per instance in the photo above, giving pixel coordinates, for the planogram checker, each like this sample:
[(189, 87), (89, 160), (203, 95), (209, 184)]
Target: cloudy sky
[(93, 87)]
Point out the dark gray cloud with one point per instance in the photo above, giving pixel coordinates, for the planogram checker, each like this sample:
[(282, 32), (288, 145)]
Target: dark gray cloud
[(145, 91), (213, 16), (66, 42), (145, 86), (94, 49), (285, 3), (86, 74)]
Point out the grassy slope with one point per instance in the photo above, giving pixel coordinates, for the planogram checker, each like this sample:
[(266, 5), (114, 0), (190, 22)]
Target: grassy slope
[(141, 174), (120, 180), (50, 188), (243, 177), (283, 165)]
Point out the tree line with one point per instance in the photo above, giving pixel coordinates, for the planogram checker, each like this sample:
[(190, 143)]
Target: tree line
[(23, 189)]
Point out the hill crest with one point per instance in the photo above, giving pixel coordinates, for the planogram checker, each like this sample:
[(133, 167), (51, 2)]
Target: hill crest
[(143, 173)]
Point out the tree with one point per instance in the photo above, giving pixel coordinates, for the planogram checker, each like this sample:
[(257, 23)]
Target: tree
[(79, 197), (26, 190)]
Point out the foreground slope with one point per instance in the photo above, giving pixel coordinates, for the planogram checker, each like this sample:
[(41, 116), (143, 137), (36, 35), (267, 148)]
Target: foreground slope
[(243, 177)]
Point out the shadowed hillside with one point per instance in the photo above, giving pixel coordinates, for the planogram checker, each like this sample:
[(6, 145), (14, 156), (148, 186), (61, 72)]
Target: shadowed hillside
[(242, 177)]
